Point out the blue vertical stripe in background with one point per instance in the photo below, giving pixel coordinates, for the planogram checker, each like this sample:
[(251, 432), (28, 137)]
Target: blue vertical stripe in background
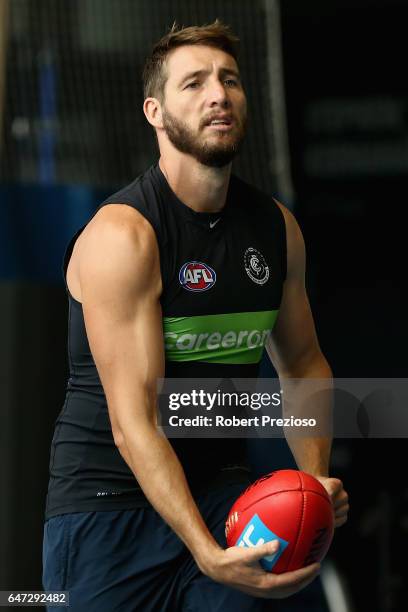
[(48, 109)]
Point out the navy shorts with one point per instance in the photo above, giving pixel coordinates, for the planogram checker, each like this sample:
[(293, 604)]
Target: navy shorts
[(132, 561)]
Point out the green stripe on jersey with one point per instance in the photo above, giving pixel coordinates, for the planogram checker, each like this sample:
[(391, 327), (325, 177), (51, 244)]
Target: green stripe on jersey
[(237, 337)]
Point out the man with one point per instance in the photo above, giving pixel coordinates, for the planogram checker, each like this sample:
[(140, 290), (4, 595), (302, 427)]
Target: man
[(135, 522)]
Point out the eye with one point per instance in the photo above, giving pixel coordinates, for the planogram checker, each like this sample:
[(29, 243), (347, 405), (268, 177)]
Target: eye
[(192, 85), (231, 82)]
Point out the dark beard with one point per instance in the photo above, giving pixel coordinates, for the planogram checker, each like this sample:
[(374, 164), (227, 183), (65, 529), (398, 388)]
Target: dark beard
[(187, 141)]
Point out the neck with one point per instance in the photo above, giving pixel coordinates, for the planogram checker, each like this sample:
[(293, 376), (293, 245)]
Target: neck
[(202, 188)]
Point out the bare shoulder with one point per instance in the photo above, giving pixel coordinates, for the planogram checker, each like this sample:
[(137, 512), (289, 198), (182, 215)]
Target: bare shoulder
[(119, 223), (118, 247), (294, 241), (292, 226)]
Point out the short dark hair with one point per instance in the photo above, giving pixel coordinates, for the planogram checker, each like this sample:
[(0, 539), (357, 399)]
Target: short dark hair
[(215, 34)]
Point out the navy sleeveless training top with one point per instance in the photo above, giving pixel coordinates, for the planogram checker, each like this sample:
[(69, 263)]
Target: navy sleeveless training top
[(222, 276)]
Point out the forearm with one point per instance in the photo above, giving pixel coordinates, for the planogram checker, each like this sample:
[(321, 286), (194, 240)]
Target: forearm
[(312, 455), (161, 477), (308, 394)]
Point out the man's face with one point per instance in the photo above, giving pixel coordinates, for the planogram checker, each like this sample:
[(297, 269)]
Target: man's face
[(204, 106)]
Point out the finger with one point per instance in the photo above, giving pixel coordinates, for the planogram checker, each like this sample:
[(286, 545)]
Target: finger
[(277, 586), (340, 521), (341, 501), (335, 486), (285, 592), (340, 517), (264, 550), (297, 577), (341, 509), (334, 482), (341, 513), (340, 504)]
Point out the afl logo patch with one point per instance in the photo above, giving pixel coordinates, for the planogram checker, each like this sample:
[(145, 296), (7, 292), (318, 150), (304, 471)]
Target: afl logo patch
[(256, 266), (197, 276)]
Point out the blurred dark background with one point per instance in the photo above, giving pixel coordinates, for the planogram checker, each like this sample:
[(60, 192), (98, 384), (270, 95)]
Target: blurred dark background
[(328, 135)]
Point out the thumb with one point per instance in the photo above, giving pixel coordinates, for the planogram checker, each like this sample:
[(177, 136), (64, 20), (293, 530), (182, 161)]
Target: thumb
[(333, 486), (255, 553)]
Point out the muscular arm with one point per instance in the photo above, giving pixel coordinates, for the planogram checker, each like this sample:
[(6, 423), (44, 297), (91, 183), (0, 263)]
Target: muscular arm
[(295, 352), (303, 370), (120, 285)]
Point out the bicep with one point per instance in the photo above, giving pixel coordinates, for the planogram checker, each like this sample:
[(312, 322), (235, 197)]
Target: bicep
[(120, 287), (293, 342)]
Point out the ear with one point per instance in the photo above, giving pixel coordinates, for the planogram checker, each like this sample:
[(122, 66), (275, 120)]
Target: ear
[(153, 112)]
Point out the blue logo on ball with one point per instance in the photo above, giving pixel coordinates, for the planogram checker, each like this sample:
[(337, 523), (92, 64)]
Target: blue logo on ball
[(257, 533)]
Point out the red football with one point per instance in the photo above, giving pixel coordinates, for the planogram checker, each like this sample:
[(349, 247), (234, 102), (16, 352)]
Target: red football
[(287, 505)]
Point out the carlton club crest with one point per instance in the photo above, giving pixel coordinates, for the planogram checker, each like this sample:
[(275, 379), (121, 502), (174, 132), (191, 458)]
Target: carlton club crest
[(197, 276), (256, 266)]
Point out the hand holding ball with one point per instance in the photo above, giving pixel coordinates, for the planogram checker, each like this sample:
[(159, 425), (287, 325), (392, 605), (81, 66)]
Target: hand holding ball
[(289, 506)]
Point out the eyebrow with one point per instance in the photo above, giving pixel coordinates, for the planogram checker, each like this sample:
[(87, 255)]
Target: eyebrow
[(198, 73)]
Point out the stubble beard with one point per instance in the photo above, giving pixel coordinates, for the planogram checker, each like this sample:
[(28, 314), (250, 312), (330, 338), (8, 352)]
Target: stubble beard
[(213, 154)]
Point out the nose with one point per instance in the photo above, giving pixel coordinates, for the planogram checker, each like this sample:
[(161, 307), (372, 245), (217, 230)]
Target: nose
[(217, 95)]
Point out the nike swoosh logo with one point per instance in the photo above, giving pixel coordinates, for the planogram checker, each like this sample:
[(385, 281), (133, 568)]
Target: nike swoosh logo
[(214, 223)]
